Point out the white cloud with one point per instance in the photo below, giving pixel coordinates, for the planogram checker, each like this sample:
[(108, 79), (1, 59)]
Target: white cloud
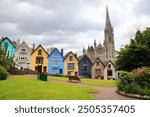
[(70, 24)]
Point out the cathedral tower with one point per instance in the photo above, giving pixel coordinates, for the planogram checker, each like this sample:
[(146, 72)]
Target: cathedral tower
[(109, 45)]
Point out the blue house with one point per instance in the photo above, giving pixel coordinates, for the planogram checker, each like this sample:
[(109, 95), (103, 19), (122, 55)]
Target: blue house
[(9, 47), (85, 66), (55, 62)]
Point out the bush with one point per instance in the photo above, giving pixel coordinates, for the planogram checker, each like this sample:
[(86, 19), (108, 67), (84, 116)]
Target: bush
[(144, 92), (136, 82), (142, 77), (3, 73), (126, 79)]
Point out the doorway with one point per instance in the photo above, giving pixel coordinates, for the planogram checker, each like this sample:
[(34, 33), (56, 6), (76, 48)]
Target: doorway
[(38, 68)]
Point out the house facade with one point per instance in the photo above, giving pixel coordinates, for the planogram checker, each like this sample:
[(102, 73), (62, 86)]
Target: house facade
[(98, 69), (8, 47), (71, 64), (85, 66), (39, 59), (55, 62), (22, 56), (109, 71)]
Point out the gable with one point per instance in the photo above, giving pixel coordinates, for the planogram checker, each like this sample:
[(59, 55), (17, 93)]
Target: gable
[(85, 60), (98, 61), (110, 65), (6, 39), (23, 46), (57, 52), (67, 57), (39, 48)]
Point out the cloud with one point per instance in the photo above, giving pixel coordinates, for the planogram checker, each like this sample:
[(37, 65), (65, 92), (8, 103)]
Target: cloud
[(142, 7), (70, 24)]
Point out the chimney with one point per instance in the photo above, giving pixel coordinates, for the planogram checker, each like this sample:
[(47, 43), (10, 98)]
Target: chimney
[(62, 52), (33, 46), (75, 55)]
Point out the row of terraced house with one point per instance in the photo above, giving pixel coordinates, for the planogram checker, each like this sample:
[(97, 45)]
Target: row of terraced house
[(54, 61), (96, 62)]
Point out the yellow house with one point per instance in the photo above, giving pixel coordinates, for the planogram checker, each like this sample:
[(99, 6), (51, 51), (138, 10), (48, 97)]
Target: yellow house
[(39, 60), (71, 64)]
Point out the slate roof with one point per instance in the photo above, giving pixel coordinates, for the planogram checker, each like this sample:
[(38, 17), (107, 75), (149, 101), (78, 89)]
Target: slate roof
[(82, 56)]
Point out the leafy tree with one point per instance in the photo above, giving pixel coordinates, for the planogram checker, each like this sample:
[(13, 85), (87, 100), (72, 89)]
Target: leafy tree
[(136, 54)]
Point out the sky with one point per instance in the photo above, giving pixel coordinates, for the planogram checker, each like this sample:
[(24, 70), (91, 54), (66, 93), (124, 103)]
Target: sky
[(71, 24)]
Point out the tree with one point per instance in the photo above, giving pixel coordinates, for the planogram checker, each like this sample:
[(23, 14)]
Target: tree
[(136, 54), (4, 62)]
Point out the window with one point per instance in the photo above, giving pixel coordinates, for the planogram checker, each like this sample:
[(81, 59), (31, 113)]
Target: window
[(109, 72), (55, 54), (109, 66), (84, 69), (39, 52), (97, 63), (55, 63), (70, 58), (23, 49), (39, 60), (71, 66), (53, 71), (98, 71), (23, 56)]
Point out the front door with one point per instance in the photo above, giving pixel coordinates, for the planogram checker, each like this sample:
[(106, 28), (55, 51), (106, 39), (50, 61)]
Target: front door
[(45, 69), (76, 73), (60, 71)]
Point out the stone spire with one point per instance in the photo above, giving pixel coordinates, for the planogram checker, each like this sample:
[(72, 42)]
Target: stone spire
[(108, 22), (109, 46), (84, 51)]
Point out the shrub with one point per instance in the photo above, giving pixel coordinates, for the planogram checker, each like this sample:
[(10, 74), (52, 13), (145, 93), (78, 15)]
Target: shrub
[(144, 92), (142, 77), (136, 82), (126, 79), (3, 73)]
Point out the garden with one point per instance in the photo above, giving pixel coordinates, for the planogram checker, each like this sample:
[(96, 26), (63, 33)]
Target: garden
[(135, 82), (29, 88), (134, 62)]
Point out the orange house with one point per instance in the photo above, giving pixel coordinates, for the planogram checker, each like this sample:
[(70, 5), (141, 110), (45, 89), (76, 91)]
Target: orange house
[(71, 64), (39, 60)]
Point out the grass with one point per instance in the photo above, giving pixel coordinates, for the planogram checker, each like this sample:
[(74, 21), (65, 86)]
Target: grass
[(102, 83), (29, 88), (95, 82)]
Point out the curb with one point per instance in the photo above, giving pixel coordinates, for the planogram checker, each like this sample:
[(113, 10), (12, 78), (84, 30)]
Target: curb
[(133, 95)]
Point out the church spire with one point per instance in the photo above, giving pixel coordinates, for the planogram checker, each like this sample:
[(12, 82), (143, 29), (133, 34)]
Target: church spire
[(108, 22), (95, 43)]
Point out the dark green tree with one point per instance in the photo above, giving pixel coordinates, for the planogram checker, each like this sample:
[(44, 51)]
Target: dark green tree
[(4, 62), (136, 54)]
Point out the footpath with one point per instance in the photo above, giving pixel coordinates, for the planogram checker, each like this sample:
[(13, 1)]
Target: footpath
[(103, 93)]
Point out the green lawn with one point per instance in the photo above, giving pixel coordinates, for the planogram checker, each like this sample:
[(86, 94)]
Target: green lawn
[(28, 88), (95, 82), (102, 83)]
